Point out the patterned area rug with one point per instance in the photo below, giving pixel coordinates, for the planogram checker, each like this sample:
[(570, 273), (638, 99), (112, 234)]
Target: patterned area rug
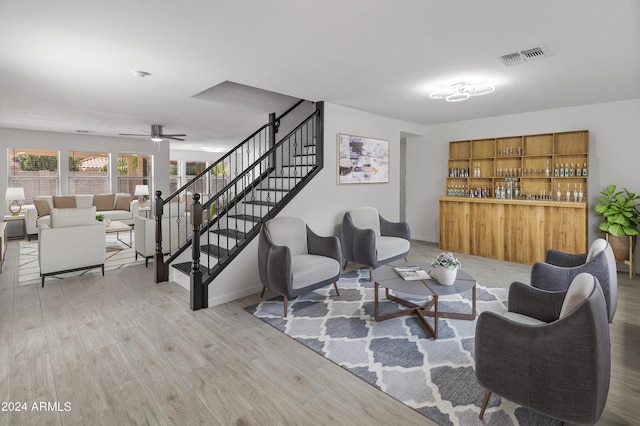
[(119, 255), (398, 356)]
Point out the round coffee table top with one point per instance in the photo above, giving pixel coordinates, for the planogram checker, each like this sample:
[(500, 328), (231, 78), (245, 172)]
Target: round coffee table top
[(387, 277)]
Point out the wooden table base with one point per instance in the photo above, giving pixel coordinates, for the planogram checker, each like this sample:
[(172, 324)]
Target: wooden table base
[(430, 309)]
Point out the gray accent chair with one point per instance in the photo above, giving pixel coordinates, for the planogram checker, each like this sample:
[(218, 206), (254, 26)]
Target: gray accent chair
[(293, 260), (560, 268), (551, 351), (371, 240)]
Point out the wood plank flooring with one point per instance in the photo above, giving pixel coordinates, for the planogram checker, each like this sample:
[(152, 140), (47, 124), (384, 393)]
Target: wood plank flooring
[(122, 350)]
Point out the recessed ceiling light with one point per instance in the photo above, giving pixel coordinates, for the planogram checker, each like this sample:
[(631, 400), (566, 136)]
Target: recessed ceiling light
[(84, 131), (140, 74)]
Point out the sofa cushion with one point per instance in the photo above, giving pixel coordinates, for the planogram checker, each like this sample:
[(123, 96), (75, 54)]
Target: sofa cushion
[(123, 202), (42, 207), (64, 201), (104, 202), (116, 214), (84, 201), (62, 218)]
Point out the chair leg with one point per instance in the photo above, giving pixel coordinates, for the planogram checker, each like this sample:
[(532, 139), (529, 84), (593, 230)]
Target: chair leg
[(405, 259), (345, 264), (42, 281), (487, 394), (285, 306), (263, 290), (370, 274), (335, 285)]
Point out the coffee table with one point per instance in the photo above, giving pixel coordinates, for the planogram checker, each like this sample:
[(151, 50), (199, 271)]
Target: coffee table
[(117, 227), (386, 277)]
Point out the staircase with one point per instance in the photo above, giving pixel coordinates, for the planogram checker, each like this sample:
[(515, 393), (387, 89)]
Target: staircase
[(217, 218)]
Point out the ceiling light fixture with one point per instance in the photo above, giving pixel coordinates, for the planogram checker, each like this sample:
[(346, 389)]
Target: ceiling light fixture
[(140, 74), (462, 91)]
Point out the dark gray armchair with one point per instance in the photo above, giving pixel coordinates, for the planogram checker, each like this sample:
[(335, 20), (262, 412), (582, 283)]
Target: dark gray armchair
[(370, 240), (560, 268), (292, 260), (550, 352)]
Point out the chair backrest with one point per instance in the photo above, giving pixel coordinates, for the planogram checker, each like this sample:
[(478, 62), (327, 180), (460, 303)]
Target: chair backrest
[(580, 289), (366, 218), (597, 247), (612, 301), (290, 232), (61, 218)]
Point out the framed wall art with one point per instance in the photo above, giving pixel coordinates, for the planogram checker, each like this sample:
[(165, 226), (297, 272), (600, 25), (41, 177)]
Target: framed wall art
[(362, 160)]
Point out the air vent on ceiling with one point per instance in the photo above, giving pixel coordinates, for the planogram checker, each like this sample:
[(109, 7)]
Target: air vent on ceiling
[(523, 56)]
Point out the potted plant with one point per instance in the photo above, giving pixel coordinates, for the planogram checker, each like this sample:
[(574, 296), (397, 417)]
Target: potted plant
[(620, 219), (444, 268), (99, 217)]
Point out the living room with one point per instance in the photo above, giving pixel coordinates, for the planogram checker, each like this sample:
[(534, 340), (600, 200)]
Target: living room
[(418, 156)]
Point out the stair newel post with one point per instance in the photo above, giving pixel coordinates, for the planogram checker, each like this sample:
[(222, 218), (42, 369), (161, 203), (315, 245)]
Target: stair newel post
[(158, 260), (199, 292)]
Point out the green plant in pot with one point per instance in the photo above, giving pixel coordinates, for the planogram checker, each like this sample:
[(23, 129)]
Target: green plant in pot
[(621, 216)]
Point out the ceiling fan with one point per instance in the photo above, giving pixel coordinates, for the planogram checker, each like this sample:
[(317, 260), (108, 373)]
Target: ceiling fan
[(157, 135)]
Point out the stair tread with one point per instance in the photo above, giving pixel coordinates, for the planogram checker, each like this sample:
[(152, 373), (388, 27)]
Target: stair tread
[(214, 250), (185, 268), (260, 203), (247, 217), (230, 233)]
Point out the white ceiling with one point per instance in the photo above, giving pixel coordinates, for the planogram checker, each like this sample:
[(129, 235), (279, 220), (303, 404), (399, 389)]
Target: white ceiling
[(65, 65)]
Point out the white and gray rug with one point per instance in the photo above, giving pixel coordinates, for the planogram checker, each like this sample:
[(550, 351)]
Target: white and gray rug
[(119, 255), (398, 356)]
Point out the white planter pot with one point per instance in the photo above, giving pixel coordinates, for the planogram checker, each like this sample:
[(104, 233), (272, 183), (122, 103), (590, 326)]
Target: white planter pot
[(443, 276)]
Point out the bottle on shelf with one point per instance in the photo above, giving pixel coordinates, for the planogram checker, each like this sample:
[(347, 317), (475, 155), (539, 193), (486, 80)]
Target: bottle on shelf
[(566, 170), (561, 170), (547, 170), (568, 194), (575, 192), (556, 171), (580, 194), (571, 170), (497, 191), (558, 194), (584, 169), (578, 170), (516, 191)]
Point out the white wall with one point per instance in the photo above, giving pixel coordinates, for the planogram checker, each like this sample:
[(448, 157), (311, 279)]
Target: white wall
[(66, 142), (323, 202), (614, 154)]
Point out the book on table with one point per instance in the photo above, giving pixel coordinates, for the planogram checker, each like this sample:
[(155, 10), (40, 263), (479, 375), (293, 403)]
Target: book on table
[(411, 273)]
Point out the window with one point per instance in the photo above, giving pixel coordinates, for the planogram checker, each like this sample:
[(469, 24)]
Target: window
[(88, 172), (193, 168), (134, 169), (35, 170)]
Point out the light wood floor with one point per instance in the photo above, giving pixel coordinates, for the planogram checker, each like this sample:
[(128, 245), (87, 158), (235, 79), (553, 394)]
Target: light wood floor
[(122, 350)]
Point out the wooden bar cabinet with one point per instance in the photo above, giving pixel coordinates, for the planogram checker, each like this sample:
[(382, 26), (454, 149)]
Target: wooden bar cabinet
[(544, 206)]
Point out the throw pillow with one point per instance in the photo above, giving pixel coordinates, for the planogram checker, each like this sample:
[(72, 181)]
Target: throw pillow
[(61, 218), (64, 201), (123, 202), (103, 202), (42, 207)]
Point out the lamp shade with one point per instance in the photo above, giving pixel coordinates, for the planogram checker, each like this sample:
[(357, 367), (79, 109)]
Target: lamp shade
[(142, 190), (14, 193)]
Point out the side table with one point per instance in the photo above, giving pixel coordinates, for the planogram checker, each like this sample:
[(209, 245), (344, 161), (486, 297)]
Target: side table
[(15, 226)]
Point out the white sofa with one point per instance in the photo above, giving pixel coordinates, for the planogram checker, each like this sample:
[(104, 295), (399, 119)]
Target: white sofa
[(122, 208), (73, 241)]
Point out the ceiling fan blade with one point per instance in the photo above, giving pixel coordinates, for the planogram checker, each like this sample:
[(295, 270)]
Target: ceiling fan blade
[(173, 138), (170, 136), (131, 134)]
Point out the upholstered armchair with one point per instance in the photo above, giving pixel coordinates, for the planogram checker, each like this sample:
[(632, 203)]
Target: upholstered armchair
[(559, 269), (370, 240), (550, 352), (73, 241), (293, 260)]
